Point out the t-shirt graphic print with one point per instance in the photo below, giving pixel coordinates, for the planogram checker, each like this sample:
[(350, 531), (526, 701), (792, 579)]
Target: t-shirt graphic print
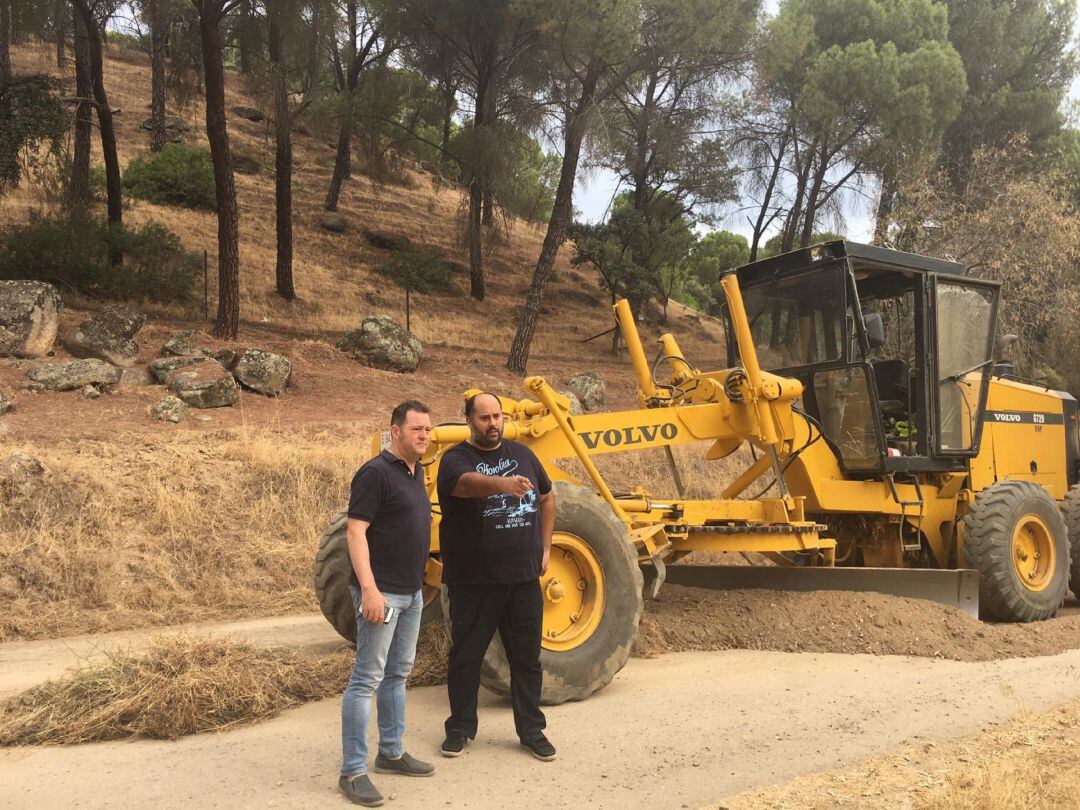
[(494, 539)]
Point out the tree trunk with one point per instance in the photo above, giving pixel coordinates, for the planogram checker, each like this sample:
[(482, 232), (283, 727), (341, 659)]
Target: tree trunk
[(282, 158), (342, 161), (770, 188), (807, 235), (60, 21), (791, 224), (84, 111), (228, 315), (107, 130), (158, 26), (5, 40), (243, 40), (449, 97), (561, 212), (487, 216), (885, 206), (474, 235)]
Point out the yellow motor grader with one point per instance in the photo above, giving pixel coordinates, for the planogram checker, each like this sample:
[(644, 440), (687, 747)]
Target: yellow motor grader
[(898, 455)]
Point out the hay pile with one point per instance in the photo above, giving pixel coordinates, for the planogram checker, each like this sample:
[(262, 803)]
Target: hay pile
[(178, 685)]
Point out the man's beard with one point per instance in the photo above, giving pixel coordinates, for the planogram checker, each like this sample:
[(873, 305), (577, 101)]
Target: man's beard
[(485, 441)]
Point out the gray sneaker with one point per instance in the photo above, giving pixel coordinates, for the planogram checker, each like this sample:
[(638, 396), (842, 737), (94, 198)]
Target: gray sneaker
[(406, 764), (359, 790)]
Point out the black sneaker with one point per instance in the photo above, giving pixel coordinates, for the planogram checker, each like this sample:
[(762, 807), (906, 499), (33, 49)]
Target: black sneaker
[(406, 764), (453, 746), (359, 790), (540, 748)]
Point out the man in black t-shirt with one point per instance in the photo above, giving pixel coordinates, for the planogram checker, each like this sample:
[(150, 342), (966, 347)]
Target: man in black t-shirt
[(498, 513), (389, 535)]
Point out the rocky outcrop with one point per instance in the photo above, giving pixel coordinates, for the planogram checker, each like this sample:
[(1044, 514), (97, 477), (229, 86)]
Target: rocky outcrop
[(207, 385), (180, 344), (108, 335), (169, 409), (21, 474), (333, 221), (381, 342), (263, 372), (227, 357), (575, 403), (162, 367), (29, 318), (74, 375), (136, 377), (589, 388)]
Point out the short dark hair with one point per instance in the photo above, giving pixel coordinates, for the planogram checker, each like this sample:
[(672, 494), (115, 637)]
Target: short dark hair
[(397, 416), (470, 403)]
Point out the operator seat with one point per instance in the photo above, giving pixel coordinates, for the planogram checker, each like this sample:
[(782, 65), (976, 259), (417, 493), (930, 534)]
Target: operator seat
[(891, 377)]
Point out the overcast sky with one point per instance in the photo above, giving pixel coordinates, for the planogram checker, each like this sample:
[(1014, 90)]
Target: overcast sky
[(594, 191)]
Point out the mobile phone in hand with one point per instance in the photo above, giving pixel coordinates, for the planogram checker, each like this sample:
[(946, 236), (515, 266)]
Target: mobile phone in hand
[(388, 614)]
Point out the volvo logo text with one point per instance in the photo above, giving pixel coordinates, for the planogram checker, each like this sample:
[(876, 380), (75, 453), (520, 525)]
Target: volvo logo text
[(616, 437)]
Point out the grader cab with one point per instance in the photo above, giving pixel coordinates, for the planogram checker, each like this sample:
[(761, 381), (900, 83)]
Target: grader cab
[(897, 454)]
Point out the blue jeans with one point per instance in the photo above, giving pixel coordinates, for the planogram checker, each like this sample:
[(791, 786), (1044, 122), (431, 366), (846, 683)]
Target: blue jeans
[(384, 659)]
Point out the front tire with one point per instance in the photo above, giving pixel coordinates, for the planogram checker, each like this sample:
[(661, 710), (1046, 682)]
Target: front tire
[(1015, 537), (588, 628), (1070, 511)]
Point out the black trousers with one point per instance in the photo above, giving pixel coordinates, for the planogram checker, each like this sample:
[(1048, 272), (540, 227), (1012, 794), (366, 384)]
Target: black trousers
[(476, 612)]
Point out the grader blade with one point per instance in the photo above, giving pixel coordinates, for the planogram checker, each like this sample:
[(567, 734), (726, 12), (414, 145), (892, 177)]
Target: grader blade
[(956, 588)]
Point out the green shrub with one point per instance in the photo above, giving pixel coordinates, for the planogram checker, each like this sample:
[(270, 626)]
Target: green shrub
[(73, 254), (421, 271), (177, 175)]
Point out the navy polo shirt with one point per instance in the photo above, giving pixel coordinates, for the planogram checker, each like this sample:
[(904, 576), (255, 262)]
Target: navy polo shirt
[(392, 498)]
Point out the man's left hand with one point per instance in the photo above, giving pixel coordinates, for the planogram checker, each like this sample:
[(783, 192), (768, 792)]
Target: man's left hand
[(544, 561)]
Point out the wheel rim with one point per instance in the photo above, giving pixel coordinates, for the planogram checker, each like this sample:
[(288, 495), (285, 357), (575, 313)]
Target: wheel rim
[(1033, 553), (573, 590)]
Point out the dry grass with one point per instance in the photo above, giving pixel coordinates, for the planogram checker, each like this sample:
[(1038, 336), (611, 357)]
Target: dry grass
[(127, 536), (1029, 763), (179, 685)]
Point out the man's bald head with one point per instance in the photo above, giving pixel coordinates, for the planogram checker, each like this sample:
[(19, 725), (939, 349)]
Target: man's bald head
[(484, 414)]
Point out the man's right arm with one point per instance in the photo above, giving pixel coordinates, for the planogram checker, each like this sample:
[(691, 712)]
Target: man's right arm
[(372, 602), (478, 485)]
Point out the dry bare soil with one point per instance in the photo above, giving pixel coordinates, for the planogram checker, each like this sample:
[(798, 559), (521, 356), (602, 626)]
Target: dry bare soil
[(148, 525)]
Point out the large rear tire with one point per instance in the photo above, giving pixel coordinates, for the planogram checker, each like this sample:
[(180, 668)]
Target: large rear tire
[(1070, 510), (1015, 537), (592, 602), (333, 572)]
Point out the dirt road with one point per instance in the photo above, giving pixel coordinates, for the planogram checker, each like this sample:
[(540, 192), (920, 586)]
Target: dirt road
[(683, 730)]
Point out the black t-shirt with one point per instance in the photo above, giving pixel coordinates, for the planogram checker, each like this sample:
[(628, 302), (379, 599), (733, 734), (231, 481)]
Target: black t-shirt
[(392, 498), (493, 540)]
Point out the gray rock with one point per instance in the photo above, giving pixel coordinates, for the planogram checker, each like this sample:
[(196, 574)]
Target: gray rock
[(207, 385), (174, 127), (227, 357), (575, 403), (162, 367), (263, 372), (249, 113), (589, 388), (333, 221), (381, 342), (108, 335), (169, 409), (29, 318), (21, 474), (6, 405), (90, 392), (74, 375), (180, 344), (136, 377)]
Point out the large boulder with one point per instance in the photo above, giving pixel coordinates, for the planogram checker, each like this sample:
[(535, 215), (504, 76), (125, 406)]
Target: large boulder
[(575, 403), (29, 318), (169, 409), (263, 372), (6, 405), (108, 335), (182, 343), (207, 385), (381, 342), (21, 474), (162, 367), (589, 388), (74, 375)]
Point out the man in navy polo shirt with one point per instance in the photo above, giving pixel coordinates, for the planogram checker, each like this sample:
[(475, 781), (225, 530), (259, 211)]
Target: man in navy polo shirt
[(389, 535)]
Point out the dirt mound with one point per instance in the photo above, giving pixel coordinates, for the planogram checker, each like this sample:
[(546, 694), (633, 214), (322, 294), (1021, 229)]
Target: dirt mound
[(685, 619)]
